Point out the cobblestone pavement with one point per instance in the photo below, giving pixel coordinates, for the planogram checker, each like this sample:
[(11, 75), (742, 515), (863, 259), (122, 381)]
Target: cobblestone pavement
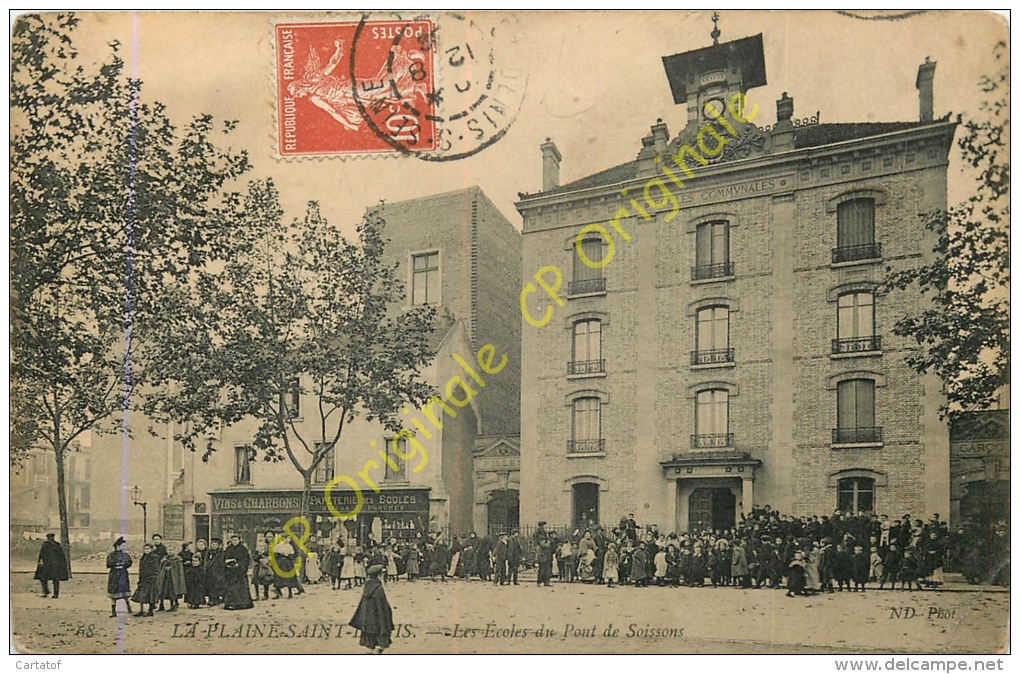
[(476, 617)]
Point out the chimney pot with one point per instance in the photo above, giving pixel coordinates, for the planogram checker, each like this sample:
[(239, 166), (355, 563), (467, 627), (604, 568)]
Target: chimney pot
[(660, 136), (926, 96), (550, 165), (784, 108)]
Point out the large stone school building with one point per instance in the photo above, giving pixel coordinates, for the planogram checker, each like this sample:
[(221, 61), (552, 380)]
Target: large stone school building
[(736, 350)]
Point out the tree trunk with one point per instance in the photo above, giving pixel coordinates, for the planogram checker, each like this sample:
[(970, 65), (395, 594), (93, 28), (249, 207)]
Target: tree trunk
[(65, 534), (306, 497)]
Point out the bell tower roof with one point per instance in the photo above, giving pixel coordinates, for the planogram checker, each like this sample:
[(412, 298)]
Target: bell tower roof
[(688, 71)]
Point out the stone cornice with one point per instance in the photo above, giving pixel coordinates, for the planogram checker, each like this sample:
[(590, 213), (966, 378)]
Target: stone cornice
[(775, 162)]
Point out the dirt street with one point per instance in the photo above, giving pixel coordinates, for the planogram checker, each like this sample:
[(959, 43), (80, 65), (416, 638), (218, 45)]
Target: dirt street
[(477, 617)]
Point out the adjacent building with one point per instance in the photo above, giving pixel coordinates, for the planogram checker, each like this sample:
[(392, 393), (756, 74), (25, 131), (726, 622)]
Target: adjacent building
[(719, 340), (453, 251)]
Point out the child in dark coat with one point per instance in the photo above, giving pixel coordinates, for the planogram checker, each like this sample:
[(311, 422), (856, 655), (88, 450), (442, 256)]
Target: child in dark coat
[(861, 568), (842, 567), (148, 570), (908, 571), (797, 579), (374, 617)]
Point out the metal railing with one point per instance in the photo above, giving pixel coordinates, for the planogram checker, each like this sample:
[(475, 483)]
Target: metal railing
[(586, 366), (712, 440), (586, 446), (867, 251), (707, 271), (857, 344), (853, 436), (591, 285), (711, 357)]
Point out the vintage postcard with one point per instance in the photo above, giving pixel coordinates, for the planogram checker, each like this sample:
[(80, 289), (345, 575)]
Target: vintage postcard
[(432, 332)]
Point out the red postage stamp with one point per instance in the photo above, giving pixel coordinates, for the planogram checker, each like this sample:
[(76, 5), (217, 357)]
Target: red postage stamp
[(350, 87)]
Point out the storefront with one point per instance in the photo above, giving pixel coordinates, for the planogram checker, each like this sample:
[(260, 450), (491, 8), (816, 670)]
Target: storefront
[(392, 513)]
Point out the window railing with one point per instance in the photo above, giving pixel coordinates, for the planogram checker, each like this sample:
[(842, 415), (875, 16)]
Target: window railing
[(853, 436), (586, 446), (586, 366), (711, 440), (591, 285), (707, 271), (867, 251), (711, 357), (857, 344)]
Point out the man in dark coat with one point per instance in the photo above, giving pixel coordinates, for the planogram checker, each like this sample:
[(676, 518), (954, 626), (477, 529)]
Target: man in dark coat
[(52, 566), (540, 533), (501, 553), (374, 617), (515, 554)]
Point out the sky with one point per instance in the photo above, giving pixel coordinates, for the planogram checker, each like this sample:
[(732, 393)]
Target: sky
[(595, 85)]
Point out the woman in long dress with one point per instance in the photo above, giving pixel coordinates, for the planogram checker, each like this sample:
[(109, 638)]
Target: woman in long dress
[(284, 574), (236, 559), (812, 580), (118, 585)]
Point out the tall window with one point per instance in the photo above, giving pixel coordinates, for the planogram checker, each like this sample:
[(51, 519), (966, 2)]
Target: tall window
[(855, 234), (587, 425), (856, 223), (856, 316), (592, 248), (855, 323), (293, 399), (856, 494), (712, 419), (587, 356), (712, 341), (425, 278), (325, 471), (242, 465), (398, 474), (855, 412), (713, 244), (588, 279)]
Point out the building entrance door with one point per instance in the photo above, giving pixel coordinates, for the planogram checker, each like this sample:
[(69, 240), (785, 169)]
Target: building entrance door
[(202, 527), (586, 503), (711, 508), (504, 511)]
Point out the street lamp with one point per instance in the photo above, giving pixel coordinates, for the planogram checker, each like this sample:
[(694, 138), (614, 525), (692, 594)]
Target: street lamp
[(136, 494)]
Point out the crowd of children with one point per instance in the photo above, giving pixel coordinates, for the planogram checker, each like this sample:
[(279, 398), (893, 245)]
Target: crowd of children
[(766, 549)]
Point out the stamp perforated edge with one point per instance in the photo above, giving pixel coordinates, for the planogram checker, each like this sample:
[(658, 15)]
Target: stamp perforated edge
[(328, 17)]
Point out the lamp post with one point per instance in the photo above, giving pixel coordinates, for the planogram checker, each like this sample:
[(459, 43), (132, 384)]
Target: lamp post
[(136, 494)]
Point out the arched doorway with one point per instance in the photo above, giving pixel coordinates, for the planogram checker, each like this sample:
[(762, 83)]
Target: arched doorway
[(712, 508), (504, 510), (585, 503)]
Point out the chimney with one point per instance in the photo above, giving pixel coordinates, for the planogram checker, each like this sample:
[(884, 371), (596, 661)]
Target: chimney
[(782, 133), (925, 76), (550, 165), (784, 108), (660, 134)]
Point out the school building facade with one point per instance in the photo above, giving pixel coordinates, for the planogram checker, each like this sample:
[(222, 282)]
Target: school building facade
[(731, 347)]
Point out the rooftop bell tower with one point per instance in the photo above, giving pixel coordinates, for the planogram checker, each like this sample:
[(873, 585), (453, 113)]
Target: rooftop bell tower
[(710, 76)]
